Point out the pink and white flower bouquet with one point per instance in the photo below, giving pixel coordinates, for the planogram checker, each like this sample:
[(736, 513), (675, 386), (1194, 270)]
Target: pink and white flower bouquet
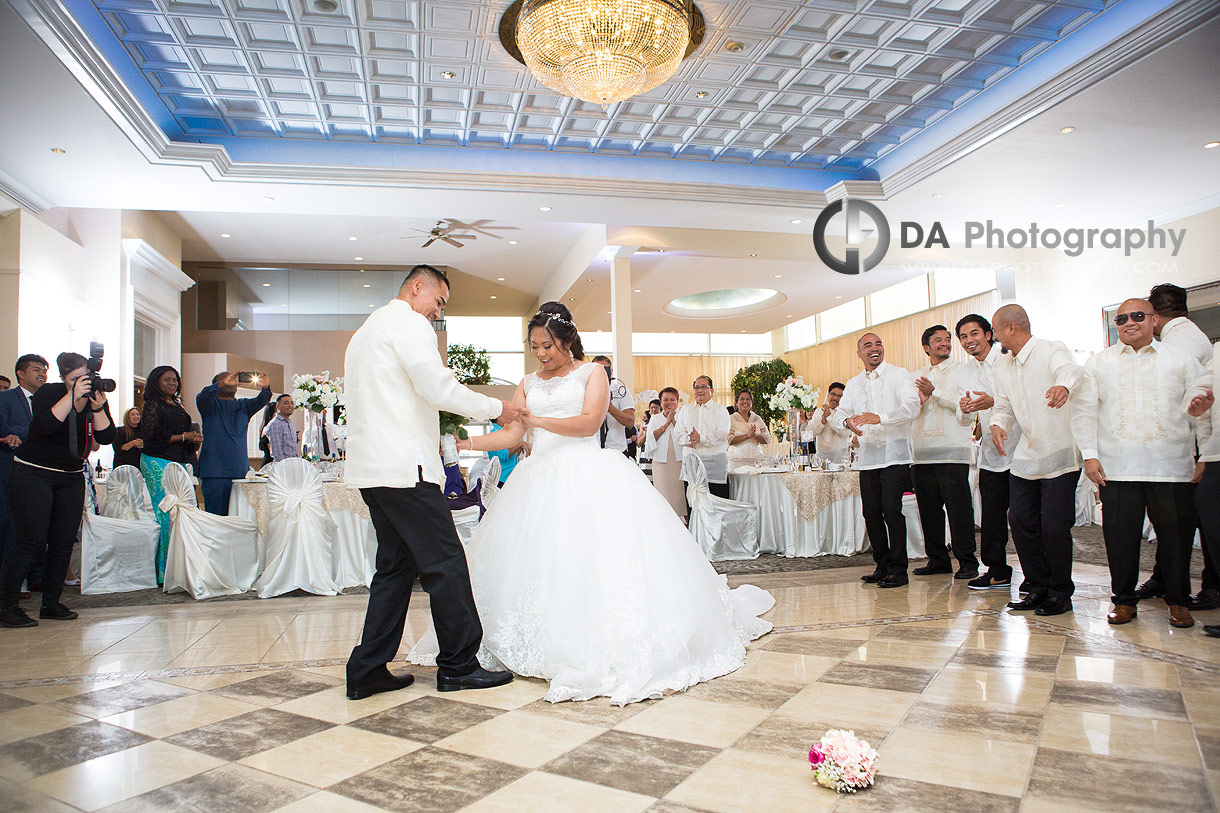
[(843, 762)]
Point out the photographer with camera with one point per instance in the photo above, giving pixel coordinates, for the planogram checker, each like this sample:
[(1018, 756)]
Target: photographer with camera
[(47, 487), (224, 457)]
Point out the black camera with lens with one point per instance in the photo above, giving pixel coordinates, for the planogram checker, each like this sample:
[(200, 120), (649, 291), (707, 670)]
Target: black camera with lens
[(94, 365)]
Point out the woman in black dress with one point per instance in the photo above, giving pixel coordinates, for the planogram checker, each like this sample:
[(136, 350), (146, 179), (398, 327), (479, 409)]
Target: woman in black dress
[(165, 427), (128, 443)]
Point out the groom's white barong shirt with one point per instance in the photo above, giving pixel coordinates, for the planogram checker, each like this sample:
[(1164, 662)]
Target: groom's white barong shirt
[(943, 433), (980, 377), (712, 422), (395, 385), (889, 393)]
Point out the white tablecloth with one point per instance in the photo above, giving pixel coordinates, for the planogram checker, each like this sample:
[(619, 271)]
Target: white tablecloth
[(837, 529)]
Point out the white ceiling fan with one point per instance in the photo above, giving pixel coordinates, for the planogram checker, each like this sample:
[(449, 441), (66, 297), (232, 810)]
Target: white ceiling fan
[(446, 233)]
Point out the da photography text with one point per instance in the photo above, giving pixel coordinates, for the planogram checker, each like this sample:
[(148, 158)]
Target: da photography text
[(1073, 241)]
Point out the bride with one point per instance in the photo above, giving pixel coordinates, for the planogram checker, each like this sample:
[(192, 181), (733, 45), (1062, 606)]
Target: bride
[(582, 572)]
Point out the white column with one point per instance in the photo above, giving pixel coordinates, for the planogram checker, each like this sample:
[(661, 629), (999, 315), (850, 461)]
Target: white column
[(620, 315)]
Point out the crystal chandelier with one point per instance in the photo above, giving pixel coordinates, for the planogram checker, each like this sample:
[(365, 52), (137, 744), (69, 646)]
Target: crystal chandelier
[(602, 51)]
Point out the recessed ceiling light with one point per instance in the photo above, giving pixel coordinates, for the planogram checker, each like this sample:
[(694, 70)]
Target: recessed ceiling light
[(325, 6), (225, 234), (361, 270), (284, 305), (1068, 129), (609, 313), (1211, 145), (499, 279), (639, 290), (370, 304), (353, 238), (494, 297), (937, 195), (366, 285), (778, 276), (1060, 205), (733, 47), (588, 279), (789, 316), (838, 55), (701, 94), (795, 222), (448, 74), (544, 208), (358, 259), (512, 242), (838, 297), (753, 255), (266, 284), (59, 151)]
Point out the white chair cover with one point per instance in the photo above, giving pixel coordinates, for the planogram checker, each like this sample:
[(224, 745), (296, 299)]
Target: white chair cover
[(300, 534), (910, 512), (490, 485), (127, 495), (355, 550), (118, 555), (208, 555), (724, 529), (1086, 500), (466, 519)]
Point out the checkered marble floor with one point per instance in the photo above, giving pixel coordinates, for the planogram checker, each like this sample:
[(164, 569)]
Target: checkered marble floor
[(240, 706)]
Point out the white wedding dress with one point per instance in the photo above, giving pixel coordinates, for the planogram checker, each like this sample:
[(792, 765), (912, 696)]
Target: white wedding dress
[(585, 577)]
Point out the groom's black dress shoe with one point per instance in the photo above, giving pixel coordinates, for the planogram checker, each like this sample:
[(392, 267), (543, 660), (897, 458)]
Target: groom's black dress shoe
[(874, 577), (1032, 601), (478, 679), (389, 683), (1054, 606)]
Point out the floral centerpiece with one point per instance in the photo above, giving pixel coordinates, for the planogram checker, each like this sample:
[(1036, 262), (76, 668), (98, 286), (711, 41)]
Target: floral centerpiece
[(793, 395), (451, 424), (316, 393), (843, 762)]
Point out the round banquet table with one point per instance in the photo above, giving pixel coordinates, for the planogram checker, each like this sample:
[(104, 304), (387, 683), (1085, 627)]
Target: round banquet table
[(827, 520)]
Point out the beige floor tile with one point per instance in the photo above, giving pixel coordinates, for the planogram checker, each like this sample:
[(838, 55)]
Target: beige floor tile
[(126, 662), (1168, 741), (180, 714), (1147, 674), (331, 756), (718, 725), (235, 655), (30, 721), (325, 802), (851, 706), (205, 683), (746, 782), (975, 763), (521, 738), (1203, 708), (333, 706), (115, 777), (1015, 641), (521, 692), (1026, 691), (544, 792), (330, 671), (47, 694), (902, 653), (282, 651), (762, 664), (35, 667)]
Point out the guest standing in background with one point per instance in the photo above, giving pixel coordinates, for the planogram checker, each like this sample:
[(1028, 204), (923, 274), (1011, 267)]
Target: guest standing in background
[(831, 440), (1034, 383), (1175, 329), (703, 428), (47, 487), (977, 339), (943, 449), (283, 440), (127, 442), (620, 414), (168, 437), (5, 383), (226, 423), (667, 455), (747, 432), (15, 413), (646, 446), (1138, 446), (878, 407)]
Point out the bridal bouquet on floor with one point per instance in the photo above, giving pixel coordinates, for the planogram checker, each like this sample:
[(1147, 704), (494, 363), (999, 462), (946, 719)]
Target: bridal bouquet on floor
[(843, 762)]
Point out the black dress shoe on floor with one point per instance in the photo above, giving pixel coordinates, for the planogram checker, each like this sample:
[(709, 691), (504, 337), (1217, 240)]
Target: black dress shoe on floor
[(931, 570), (1212, 629), (389, 683), (1149, 589), (966, 574), (874, 577), (1206, 600), (894, 581), (478, 679), (1031, 602), (56, 612), (16, 618), (1054, 606)]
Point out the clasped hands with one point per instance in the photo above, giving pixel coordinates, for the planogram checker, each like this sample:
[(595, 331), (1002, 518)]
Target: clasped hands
[(863, 419)]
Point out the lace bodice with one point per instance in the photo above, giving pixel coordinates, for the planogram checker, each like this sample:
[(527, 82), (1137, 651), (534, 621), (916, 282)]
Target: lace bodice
[(562, 397)]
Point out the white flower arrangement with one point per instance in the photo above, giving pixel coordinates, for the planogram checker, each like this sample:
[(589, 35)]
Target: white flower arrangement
[(793, 393), (317, 393)]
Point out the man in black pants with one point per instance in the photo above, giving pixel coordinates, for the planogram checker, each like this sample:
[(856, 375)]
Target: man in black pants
[(878, 406), (975, 334), (1033, 385), (941, 471), (396, 381)]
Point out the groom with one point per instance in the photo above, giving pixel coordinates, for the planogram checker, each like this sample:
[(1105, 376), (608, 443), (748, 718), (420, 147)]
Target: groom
[(395, 383)]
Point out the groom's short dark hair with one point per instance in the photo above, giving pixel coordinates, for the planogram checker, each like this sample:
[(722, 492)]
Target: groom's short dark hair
[(424, 270)]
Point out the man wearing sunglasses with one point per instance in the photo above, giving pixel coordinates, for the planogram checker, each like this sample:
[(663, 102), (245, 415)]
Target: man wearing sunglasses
[(1034, 383), (1175, 329), (1139, 448)]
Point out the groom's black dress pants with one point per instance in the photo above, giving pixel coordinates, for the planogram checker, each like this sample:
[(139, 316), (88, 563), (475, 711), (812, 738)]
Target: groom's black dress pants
[(881, 500), (415, 536)]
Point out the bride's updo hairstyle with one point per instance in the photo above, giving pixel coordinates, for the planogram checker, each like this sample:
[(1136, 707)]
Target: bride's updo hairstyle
[(556, 320)]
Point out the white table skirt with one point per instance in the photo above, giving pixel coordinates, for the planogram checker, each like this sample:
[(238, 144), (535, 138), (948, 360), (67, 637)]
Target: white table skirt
[(838, 529)]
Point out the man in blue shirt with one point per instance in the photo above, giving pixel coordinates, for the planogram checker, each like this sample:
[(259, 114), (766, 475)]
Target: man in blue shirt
[(14, 427), (224, 456)]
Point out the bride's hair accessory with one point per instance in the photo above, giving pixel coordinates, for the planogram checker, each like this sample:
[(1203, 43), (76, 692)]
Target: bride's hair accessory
[(554, 317)]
